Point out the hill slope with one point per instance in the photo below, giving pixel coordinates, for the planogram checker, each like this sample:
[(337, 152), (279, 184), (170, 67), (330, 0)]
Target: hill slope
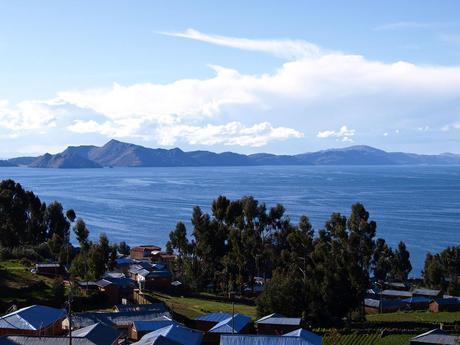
[(120, 154)]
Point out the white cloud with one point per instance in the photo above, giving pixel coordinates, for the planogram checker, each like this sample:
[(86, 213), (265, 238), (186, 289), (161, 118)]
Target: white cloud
[(312, 91), (27, 115), (344, 134), (385, 134), (283, 48), (455, 125)]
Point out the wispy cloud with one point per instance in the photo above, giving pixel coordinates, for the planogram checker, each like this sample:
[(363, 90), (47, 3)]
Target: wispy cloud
[(282, 48), (411, 25), (344, 134)]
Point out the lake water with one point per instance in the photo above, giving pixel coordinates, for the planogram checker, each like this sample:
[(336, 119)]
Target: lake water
[(419, 205)]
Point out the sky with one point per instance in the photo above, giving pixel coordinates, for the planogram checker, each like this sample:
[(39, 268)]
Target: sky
[(245, 76)]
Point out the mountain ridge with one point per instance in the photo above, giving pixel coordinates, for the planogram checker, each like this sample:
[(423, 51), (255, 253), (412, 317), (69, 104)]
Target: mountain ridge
[(120, 154)]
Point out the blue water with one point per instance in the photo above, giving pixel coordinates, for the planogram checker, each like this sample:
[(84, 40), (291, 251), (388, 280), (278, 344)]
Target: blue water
[(419, 205)]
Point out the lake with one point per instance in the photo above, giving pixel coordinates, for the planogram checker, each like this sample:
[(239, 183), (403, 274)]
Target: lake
[(417, 204)]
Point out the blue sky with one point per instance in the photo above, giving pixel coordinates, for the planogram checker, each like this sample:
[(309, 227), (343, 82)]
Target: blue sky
[(273, 76)]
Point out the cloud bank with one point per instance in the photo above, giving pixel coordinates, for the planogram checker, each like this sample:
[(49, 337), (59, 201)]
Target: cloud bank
[(313, 89)]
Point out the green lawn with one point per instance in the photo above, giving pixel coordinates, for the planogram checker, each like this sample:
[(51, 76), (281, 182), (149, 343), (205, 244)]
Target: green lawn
[(193, 307), (416, 316), (19, 285)]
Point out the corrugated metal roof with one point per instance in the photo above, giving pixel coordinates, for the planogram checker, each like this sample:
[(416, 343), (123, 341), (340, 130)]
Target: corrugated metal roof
[(239, 339), (278, 319), (435, 336), (416, 300), (98, 334), (397, 293), (153, 325), (231, 325), (375, 303), (311, 337), (214, 317), (157, 307), (32, 318), (426, 292), (176, 333), (36, 340), (447, 301), (116, 318)]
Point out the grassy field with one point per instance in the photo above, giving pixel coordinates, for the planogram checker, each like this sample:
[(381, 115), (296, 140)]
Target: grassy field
[(416, 316), (18, 285), (193, 307)]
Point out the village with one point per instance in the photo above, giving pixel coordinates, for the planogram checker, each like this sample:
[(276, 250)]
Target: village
[(132, 315)]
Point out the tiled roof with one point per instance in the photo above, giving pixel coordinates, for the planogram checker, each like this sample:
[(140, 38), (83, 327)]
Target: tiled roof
[(32, 318)]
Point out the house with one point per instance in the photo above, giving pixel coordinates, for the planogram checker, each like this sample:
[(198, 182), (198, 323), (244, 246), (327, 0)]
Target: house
[(435, 336), (120, 320), (444, 304), (396, 286), (395, 294), (297, 337), (33, 320), (49, 269), (208, 321), (96, 334), (158, 307), (238, 323), (172, 335), (277, 324), (375, 306), (311, 337), (144, 252), (141, 328), (416, 303), (150, 276), (123, 264), (113, 287), (426, 293)]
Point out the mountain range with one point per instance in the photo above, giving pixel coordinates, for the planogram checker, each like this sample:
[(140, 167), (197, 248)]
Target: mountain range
[(120, 154)]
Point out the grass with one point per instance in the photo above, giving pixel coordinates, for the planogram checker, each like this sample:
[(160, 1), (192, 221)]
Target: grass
[(20, 286), (417, 316), (192, 307)]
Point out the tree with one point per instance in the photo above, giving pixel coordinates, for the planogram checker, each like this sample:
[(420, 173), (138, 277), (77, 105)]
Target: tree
[(82, 233), (123, 248), (382, 260), (401, 265), (71, 215)]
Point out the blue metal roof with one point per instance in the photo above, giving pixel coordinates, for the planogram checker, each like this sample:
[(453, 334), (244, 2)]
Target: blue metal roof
[(175, 333), (214, 317), (311, 337), (153, 325), (32, 318), (278, 319), (417, 300), (118, 319), (158, 307), (98, 334), (247, 339), (231, 325), (447, 301)]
